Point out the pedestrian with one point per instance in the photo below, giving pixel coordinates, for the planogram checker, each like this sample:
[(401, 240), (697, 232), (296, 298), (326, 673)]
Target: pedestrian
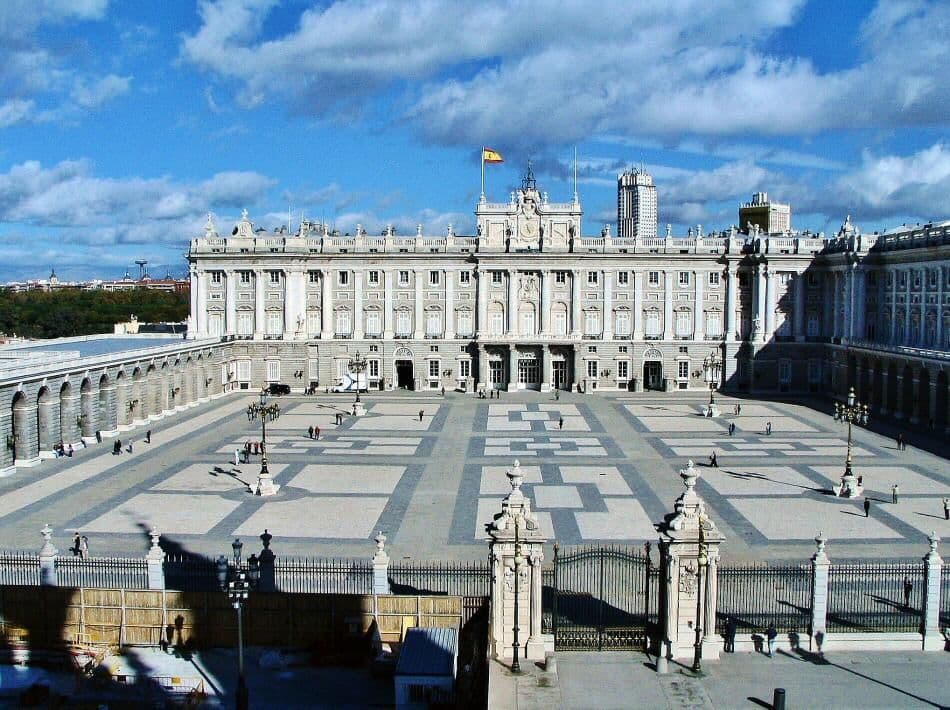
[(867, 507), (768, 428), (98, 436), (738, 409), (860, 481), (148, 437), (443, 390), (117, 447), (237, 457), (316, 430), (130, 447), (946, 508), (894, 491), (310, 432), (69, 451), (557, 395), (84, 547), (908, 588), (421, 414), (77, 544), (900, 442), (256, 450), (560, 423), (770, 635), (713, 461), (731, 626)]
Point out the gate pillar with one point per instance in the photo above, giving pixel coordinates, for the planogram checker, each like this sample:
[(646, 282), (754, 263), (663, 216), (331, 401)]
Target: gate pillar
[(689, 559), (516, 553)]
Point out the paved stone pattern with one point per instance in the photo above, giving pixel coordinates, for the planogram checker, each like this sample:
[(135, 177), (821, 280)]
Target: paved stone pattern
[(599, 469)]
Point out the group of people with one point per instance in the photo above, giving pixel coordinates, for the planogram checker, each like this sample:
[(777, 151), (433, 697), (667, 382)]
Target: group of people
[(60, 450), (313, 432), (729, 637), (80, 546)]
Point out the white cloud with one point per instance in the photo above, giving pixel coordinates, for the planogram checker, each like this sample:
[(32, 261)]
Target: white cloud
[(91, 94), (14, 111)]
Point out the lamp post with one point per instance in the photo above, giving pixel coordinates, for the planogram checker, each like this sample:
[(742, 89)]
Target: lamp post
[(712, 367), (702, 560), (518, 561), (357, 365), (266, 413), (852, 412), (238, 584)]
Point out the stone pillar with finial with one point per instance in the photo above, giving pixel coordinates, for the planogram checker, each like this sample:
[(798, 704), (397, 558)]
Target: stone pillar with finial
[(267, 581), (48, 558), (516, 553), (689, 554), (820, 565), (380, 566), (933, 639), (155, 562)]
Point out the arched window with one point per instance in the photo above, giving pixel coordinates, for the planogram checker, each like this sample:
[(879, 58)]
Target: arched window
[(559, 319), (622, 322), (496, 319), (526, 319), (343, 323)]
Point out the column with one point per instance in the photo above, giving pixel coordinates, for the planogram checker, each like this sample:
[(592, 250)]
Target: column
[(326, 305), (761, 296), (922, 334), (905, 339), (258, 304), (482, 283), (699, 313), (638, 306), (193, 291), (893, 335), (933, 564), (769, 304), (512, 302), (449, 323), (578, 369), (534, 637), (858, 308), (799, 317), (388, 305), (358, 304), (202, 304), (547, 369), (667, 305), (512, 367), (848, 303), (418, 282), (608, 325), (575, 302), (545, 302), (732, 278), (230, 314), (819, 593), (482, 367), (938, 345)]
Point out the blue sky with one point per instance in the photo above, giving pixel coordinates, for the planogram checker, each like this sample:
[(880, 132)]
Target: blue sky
[(123, 124)]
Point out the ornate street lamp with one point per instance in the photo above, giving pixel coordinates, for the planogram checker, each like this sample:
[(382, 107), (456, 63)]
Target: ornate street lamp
[(518, 561), (266, 413), (357, 365), (854, 413), (712, 368), (701, 561), (238, 584)]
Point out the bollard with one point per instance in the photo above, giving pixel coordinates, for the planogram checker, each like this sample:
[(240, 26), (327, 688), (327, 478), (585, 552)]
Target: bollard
[(778, 699)]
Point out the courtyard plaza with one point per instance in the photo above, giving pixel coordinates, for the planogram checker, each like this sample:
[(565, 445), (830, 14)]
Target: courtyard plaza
[(599, 469)]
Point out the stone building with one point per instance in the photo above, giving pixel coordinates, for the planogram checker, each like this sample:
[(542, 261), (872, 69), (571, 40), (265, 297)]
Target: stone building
[(765, 216)]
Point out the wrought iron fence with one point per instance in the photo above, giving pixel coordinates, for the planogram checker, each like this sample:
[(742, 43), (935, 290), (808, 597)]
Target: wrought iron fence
[(465, 579), (19, 568), (191, 573), (757, 595), (102, 572), (945, 596), (312, 575), (865, 597)]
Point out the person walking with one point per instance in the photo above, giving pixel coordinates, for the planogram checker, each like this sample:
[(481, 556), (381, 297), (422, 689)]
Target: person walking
[(130, 446), (117, 447), (731, 627), (557, 395), (442, 391), (900, 442), (894, 491), (908, 588), (946, 508), (77, 544), (237, 456), (69, 451), (421, 414), (310, 432), (770, 635), (867, 507), (738, 409), (316, 431), (148, 437), (713, 461), (98, 436), (768, 428), (560, 423), (84, 547)]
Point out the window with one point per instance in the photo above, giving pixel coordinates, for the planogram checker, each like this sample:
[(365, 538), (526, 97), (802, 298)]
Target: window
[(434, 278), (343, 278), (713, 325), (623, 369), (374, 348), (372, 367), (274, 277), (592, 277), (245, 323), (403, 322), (246, 277), (496, 278), (273, 370), (216, 278), (433, 348), (713, 278), (215, 324), (592, 323), (814, 325), (496, 322), (683, 326), (653, 278), (591, 348), (403, 278), (343, 323), (313, 276), (652, 326), (592, 368), (464, 323), (433, 322), (784, 372), (313, 368), (434, 366), (275, 324), (622, 277), (622, 349), (931, 278), (560, 322), (814, 371), (560, 277), (244, 370), (372, 323), (313, 323), (372, 278), (465, 368), (684, 278), (622, 326), (527, 321), (682, 369), (465, 278)]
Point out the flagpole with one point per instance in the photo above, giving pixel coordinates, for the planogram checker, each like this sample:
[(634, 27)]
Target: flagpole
[(483, 174)]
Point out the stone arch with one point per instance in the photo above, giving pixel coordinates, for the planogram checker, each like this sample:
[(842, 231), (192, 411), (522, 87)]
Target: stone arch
[(924, 415), (943, 394), (560, 320), (139, 400), (24, 444), (123, 396), (907, 392), (153, 408), (496, 312), (68, 429), (527, 318), (47, 422), (87, 409), (189, 381), (108, 417)]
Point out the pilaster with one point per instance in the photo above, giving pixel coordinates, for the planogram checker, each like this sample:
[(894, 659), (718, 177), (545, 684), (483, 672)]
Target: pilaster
[(933, 566)]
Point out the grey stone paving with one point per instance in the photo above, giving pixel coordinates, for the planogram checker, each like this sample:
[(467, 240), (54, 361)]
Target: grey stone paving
[(599, 469)]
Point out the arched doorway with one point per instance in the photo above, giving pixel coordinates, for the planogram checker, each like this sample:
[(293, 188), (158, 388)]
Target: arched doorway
[(653, 370), (87, 409), (403, 371), (68, 430), (940, 415), (47, 431), (923, 398), (22, 442)]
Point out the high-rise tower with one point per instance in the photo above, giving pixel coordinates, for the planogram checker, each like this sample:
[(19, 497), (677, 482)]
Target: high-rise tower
[(636, 205)]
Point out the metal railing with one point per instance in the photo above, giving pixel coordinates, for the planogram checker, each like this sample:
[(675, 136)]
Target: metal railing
[(102, 572), (323, 575), (21, 568), (757, 595), (466, 579), (945, 596), (867, 597)]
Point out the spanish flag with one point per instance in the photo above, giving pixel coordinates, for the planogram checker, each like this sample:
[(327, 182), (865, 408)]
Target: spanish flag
[(491, 156)]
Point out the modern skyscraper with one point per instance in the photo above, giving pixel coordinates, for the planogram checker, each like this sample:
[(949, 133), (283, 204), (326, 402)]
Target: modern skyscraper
[(769, 217), (636, 205)]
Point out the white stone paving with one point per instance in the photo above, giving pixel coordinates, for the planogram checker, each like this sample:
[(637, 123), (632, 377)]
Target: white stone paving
[(329, 517), (189, 514), (557, 497), (608, 479), (625, 519), (204, 477), (765, 480), (801, 518), (881, 478), (328, 478), (495, 482)]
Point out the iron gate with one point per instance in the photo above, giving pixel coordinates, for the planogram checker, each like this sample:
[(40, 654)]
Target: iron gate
[(601, 598)]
